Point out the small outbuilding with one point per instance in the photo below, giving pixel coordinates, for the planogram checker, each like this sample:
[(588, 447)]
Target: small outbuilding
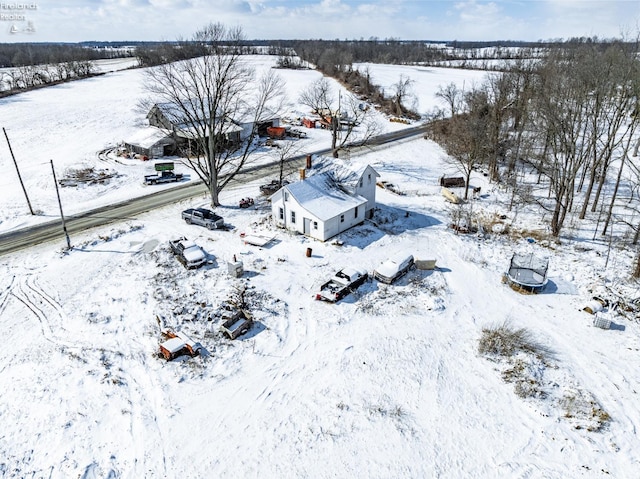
[(151, 142)]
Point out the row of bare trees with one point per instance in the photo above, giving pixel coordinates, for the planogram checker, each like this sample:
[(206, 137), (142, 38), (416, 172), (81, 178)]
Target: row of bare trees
[(31, 76), (571, 118)]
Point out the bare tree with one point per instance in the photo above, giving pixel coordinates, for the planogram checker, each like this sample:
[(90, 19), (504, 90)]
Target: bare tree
[(402, 94), (452, 96), (349, 120), (465, 139), (209, 96)]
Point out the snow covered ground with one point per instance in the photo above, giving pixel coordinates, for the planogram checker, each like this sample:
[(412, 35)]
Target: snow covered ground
[(386, 383), (73, 123)]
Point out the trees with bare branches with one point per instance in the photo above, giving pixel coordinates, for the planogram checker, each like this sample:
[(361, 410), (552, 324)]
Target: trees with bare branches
[(209, 96), (348, 119)]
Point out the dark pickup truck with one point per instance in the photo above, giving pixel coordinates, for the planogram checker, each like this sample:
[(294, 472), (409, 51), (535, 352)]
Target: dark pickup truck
[(162, 177), (343, 282), (203, 217), (164, 174)]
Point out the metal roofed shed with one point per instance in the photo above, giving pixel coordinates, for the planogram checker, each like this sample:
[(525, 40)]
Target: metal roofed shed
[(151, 142), (527, 273)]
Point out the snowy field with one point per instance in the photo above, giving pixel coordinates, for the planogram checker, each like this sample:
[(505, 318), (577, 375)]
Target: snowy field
[(387, 383), (73, 123), (425, 81)]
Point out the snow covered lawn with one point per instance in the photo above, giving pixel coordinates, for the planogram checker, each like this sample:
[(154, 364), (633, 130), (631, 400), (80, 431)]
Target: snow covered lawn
[(388, 382)]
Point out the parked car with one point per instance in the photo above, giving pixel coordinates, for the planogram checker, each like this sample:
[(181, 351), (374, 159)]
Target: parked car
[(273, 186), (394, 268), (188, 253), (203, 217), (343, 282)]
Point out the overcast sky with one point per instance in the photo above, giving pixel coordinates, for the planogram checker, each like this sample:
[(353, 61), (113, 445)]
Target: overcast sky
[(78, 20)]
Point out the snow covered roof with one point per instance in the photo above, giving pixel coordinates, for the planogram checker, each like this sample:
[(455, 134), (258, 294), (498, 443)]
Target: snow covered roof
[(188, 110), (322, 197), (148, 137), (345, 173), (173, 345), (187, 131)]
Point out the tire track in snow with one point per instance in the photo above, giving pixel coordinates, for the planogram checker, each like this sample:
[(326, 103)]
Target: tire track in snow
[(4, 297), (29, 298), (146, 434)]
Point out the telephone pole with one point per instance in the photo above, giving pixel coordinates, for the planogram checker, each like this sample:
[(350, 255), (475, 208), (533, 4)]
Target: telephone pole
[(19, 177), (64, 226)]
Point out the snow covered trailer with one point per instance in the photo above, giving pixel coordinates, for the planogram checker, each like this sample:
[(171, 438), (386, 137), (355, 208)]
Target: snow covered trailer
[(450, 196), (237, 325)]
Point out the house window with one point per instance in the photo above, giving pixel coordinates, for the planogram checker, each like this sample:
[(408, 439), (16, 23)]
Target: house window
[(282, 214), (341, 218), (286, 196), (360, 182), (369, 177), (293, 216), (315, 225), (356, 212)]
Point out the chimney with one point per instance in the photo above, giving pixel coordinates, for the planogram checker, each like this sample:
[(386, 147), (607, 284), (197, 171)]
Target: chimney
[(308, 162), (302, 173)]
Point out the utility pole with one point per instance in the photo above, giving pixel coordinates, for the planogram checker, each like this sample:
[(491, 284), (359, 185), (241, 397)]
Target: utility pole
[(64, 226), (19, 177)]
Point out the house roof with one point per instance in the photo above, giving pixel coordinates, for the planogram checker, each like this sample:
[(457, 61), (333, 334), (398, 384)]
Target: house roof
[(321, 195), (345, 173)]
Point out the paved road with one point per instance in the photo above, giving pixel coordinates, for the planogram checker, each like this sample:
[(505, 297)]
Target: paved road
[(127, 210)]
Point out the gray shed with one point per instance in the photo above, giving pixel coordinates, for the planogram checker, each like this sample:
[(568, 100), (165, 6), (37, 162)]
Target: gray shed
[(151, 142)]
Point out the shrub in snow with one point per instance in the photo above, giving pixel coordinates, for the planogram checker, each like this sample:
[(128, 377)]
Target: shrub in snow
[(504, 340)]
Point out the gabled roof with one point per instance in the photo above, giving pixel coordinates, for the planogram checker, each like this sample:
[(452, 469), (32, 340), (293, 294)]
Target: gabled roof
[(178, 115), (343, 172), (182, 120), (321, 195)]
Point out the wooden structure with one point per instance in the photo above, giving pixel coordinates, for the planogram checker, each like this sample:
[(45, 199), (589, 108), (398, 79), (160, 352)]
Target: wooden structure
[(425, 264), (453, 182), (151, 142)]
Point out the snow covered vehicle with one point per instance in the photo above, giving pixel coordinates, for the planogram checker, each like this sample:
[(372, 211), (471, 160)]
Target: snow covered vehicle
[(188, 253), (237, 324), (203, 217), (343, 282), (393, 268)]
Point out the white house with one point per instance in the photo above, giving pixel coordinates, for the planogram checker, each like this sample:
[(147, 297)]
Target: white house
[(330, 200)]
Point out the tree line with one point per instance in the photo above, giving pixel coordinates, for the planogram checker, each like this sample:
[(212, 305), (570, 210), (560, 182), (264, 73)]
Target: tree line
[(31, 65), (562, 132)]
